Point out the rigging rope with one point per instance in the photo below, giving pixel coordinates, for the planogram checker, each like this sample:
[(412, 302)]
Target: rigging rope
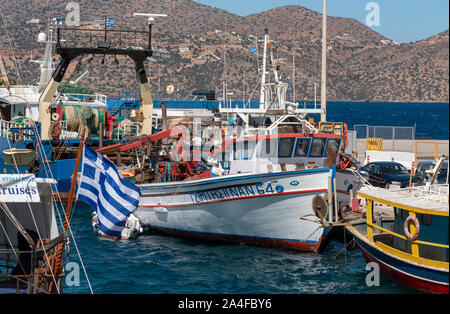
[(37, 230), (11, 245), (76, 70), (17, 224), (38, 138), (19, 262)]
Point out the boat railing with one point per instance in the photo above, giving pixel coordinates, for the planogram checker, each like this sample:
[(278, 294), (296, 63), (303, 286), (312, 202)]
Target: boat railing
[(331, 127), (17, 131), (308, 105), (65, 134), (372, 226), (128, 129), (85, 99)]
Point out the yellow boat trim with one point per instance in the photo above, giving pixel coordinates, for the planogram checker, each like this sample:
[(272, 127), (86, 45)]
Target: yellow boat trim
[(411, 258), (390, 250), (445, 246), (403, 206)]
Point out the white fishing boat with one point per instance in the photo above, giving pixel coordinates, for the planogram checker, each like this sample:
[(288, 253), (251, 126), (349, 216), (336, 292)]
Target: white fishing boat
[(268, 178), (250, 181), (269, 183), (262, 209)]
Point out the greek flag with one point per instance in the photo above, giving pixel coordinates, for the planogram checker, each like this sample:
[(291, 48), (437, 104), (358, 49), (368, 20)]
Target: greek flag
[(109, 22), (253, 50), (101, 187)]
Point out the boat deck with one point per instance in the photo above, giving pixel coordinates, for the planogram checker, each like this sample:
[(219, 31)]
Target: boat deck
[(419, 198)]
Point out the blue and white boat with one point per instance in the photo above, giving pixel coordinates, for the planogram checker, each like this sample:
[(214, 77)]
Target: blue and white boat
[(259, 209), (269, 178)]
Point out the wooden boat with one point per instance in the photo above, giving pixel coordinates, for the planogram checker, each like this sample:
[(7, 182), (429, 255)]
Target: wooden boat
[(412, 247)]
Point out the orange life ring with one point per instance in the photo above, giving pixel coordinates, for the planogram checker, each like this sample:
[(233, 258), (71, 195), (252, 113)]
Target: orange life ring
[(406, 229)]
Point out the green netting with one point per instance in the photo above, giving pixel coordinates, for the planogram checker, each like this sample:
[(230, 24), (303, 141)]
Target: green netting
[(88, 116), (69, 88)]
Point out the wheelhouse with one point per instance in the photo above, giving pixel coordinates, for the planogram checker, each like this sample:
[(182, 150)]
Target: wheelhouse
[(283, 146)]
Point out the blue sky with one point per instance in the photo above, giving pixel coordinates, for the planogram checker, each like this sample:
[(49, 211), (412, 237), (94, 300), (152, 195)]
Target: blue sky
[(400, 20)]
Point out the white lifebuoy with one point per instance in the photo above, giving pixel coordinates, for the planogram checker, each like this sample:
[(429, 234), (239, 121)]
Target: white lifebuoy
[(406, 229)]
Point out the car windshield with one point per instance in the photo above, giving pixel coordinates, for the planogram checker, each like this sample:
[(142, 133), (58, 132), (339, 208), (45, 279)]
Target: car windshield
[(394, 169)]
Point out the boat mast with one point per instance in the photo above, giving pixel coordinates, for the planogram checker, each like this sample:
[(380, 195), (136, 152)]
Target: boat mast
[(47, 65), (45, 100), (323, 97), (144, 86), (264, 71), (293, 75)]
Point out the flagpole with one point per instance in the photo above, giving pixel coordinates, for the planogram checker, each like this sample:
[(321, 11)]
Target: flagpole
[(323, 89), (74, 181), (58, 262)]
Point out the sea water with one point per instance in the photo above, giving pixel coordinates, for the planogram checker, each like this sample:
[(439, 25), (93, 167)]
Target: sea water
[(155, 263)]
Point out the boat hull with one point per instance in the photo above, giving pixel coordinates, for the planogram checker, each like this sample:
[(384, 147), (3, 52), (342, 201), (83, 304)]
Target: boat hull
[(401, 271), (258, 209)]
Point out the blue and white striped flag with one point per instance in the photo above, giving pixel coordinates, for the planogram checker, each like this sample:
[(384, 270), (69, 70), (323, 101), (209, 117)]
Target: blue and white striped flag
[(101, 187), (109, 22), (253, 50)]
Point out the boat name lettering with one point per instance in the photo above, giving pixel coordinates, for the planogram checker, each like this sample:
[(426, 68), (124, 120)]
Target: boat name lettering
[(234, 192)]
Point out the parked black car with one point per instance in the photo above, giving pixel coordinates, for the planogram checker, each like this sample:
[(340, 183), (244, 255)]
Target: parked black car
[(423, 177), (387, 173)]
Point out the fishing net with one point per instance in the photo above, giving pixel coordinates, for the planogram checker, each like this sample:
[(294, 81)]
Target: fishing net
[(76, 116)]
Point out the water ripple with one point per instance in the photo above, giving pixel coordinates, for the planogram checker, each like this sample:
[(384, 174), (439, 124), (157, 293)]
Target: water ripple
[(163, 264)]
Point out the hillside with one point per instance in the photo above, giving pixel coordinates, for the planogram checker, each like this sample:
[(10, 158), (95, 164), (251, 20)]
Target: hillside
[(197, 47)]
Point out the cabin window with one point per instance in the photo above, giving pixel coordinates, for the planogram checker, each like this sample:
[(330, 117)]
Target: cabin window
[(333, 142), (317, 147), (285, 148), (247, 149), (268, 147), (302, 147), (425, 219), (235, 151)]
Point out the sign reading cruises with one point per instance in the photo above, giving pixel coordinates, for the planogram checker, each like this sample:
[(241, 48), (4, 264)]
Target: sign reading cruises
[(18, 188)]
